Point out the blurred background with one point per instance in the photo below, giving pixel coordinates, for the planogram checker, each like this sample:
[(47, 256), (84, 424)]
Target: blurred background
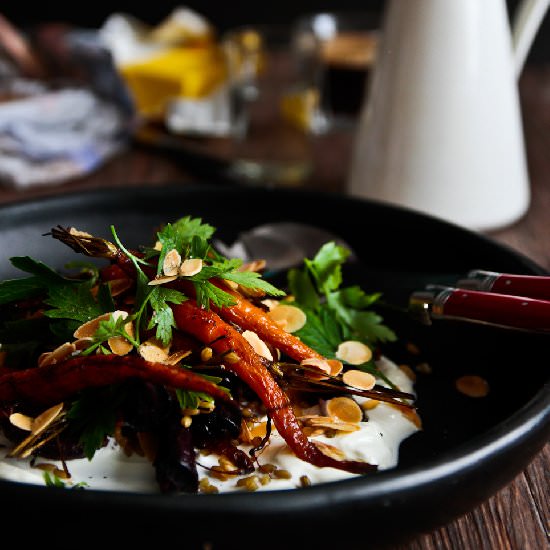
[(223, 15)]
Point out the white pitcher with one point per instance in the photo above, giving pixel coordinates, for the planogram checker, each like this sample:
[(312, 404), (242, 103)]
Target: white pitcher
[(441, 129)]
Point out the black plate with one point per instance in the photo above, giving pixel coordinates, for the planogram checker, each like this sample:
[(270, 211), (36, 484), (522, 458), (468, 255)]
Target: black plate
[(468, 449)]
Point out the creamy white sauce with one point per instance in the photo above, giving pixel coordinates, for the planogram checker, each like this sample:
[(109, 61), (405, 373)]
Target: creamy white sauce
[(377, 442)]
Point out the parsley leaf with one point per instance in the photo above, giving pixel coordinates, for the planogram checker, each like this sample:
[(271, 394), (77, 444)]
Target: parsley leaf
[(43, 277), (227, 269), (73, 301), (333, 313), (93, 415), (163, 316)]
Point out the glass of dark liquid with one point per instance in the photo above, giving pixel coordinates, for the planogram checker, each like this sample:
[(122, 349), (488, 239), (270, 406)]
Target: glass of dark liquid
[(339, 50)]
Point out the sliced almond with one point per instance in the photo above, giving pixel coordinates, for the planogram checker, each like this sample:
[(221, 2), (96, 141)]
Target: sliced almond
[(153, 351), (21, 421), (171, 263), (329, 422), (58, 354), (259, 346), (359, 379), (370, 404), (162, 279), (290, 318), (315, 364), (190, 267), (118, 344), (336, 366), (344, 409), (81, 344), (177, 356), (43, 420), (329, 450), (354, 352), (472, 385), (88, 329), (270, 303), (231, 284)]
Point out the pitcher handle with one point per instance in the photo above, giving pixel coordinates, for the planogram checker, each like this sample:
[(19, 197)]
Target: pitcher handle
[(527, 19)]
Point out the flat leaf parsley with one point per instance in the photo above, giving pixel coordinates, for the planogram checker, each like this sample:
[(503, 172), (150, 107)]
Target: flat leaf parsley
[(334, 313)]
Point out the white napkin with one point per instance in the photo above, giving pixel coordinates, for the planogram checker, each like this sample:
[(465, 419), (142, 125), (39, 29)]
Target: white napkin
[(52, 137)]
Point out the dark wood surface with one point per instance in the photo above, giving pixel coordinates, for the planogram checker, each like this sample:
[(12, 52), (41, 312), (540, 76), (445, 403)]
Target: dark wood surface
[(517, 517)]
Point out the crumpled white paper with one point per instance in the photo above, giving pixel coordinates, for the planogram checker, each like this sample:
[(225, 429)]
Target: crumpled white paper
[(52, 137)]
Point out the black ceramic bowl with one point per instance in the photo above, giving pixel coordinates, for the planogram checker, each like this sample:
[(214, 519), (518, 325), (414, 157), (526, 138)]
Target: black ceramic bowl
[(467, 450)]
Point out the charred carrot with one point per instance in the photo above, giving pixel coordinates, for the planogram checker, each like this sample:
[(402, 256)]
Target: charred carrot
[(58, 381)]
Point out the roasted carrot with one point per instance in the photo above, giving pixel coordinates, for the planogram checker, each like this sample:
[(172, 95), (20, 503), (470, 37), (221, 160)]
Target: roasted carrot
[(211, 329), (58, 381)]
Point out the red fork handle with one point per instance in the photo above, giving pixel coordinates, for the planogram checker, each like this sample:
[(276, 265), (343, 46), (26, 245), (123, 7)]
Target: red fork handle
[(533, 286), (482, 307)]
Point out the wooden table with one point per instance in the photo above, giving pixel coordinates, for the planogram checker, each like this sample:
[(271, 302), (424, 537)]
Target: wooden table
[(518, 517)]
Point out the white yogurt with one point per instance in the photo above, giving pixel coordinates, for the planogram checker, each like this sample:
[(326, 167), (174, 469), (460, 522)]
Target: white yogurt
[(377, 442)]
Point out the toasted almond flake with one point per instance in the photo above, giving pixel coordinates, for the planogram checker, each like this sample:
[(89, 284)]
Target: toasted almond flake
[(171, 263), (153, 351), (359, 379), (58, 354), (21, 421), (408, 413), (269, 303), (292, 317), (81, 343), (118, 286), (370, 404), (88, 329), (472, 385), (354, 352), (259, 346), (190, 267), (118, 344), (330, 450), (344, 409), (321, 365), (158, 246), (336, 366), (231, 284), (176, 357), (43, 420), (329, 422), (162, 279)]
